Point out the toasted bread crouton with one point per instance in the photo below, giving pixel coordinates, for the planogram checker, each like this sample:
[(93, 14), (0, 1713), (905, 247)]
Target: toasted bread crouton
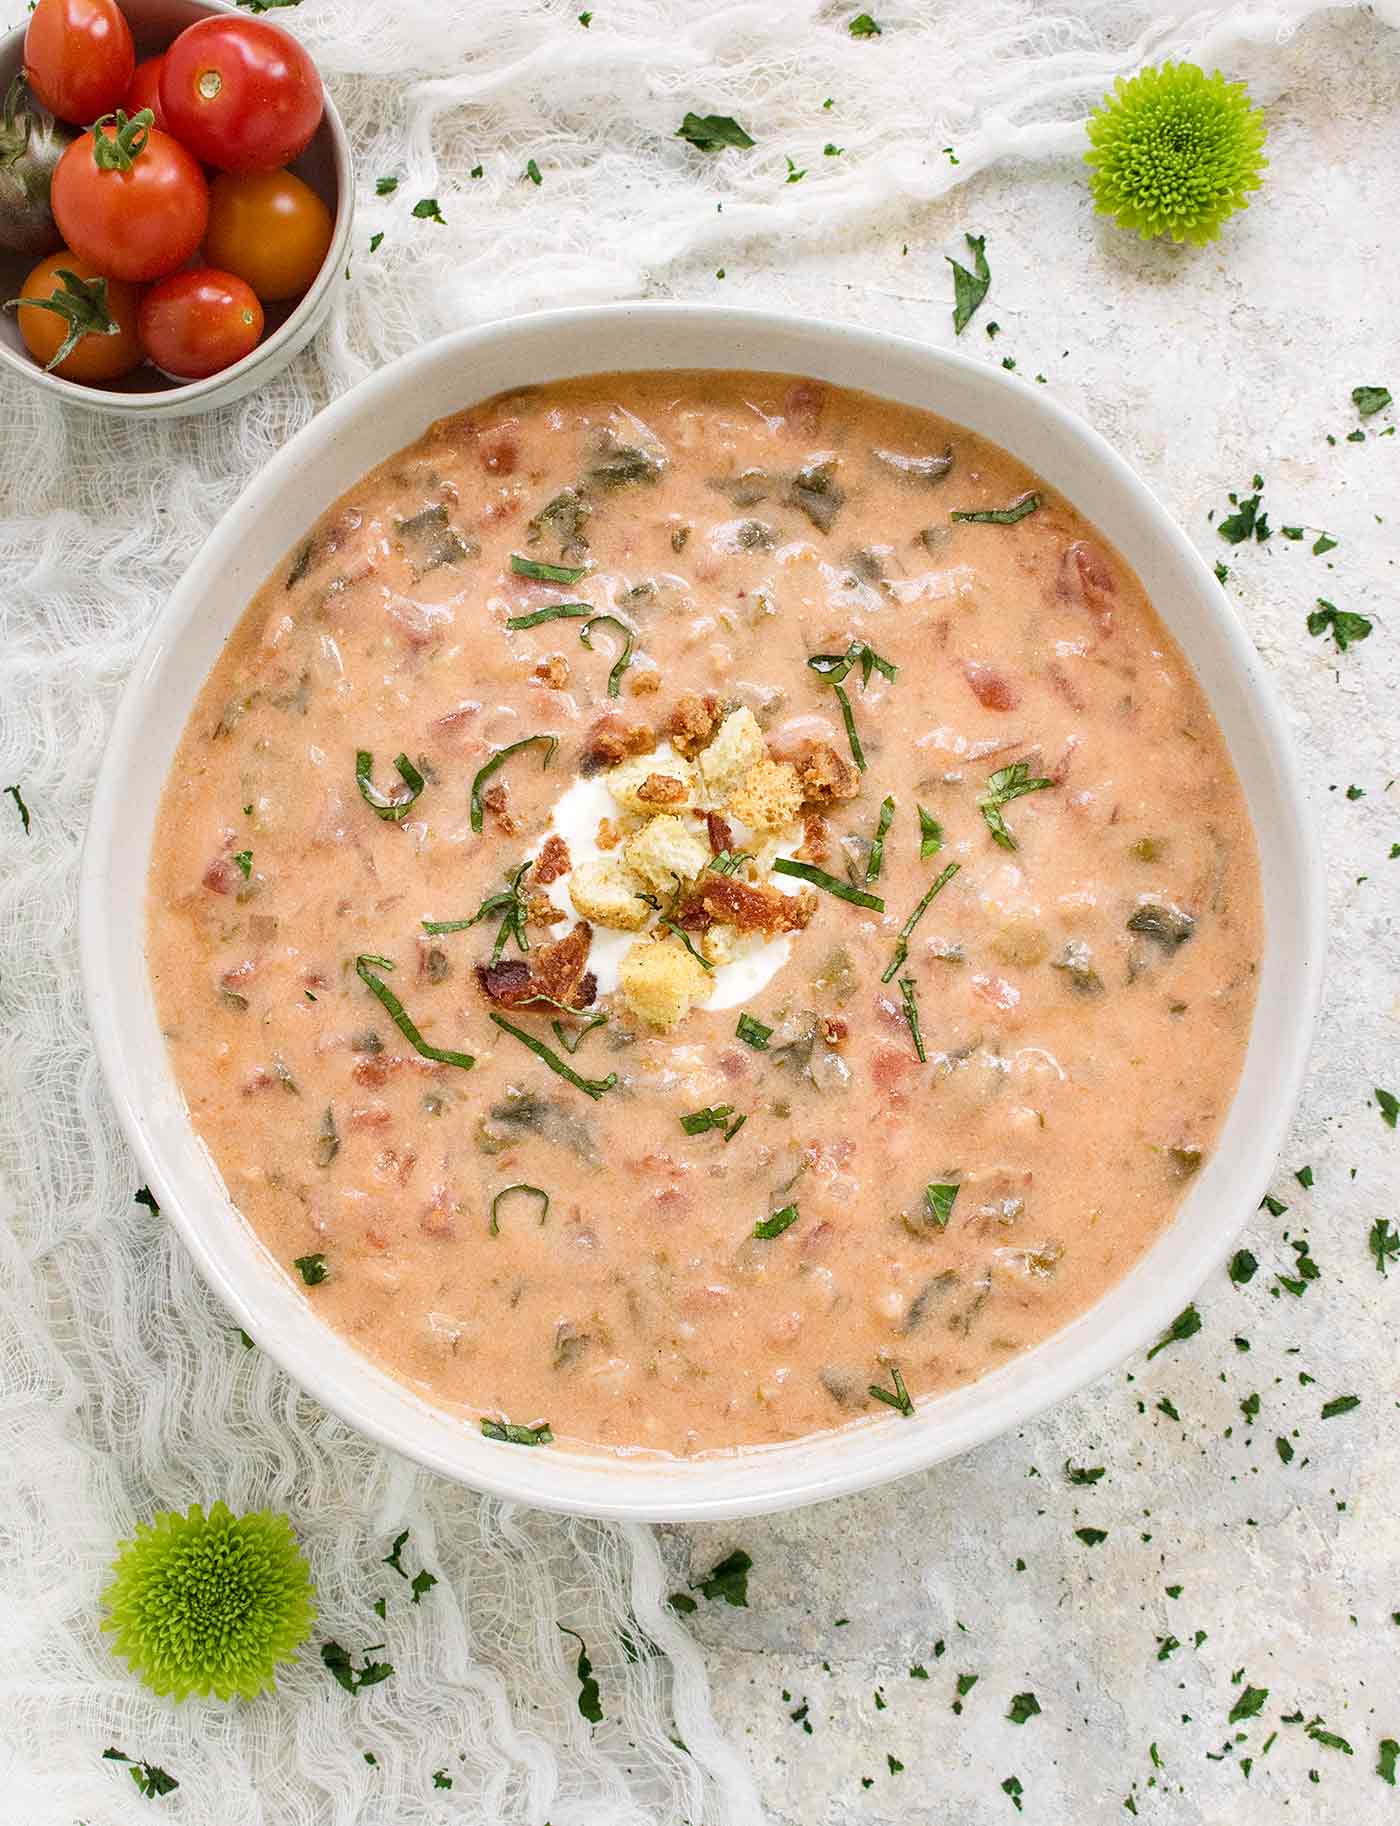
[(737, 747), (826, 776), (660, 981), (648, 785), (720, 944), (768, 798), (666, 852), (608, 893), (693, 722)]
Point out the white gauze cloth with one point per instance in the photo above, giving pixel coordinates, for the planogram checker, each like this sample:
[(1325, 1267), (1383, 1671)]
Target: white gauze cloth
[(123, 1387)]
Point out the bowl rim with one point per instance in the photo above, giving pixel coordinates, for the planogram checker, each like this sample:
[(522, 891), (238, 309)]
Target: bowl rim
[(639, 1486), (184, 396)]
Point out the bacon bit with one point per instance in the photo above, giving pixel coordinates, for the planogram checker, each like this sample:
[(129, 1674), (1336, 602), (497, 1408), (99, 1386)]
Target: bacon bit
[(552, 861), (803, 407), (540, 910), (992, 689), (610, 740), (996, 990), (814, 838), (834, 1030), (222, 876), (556, 971), (453, 722), (1086, 579), (887, 1069), (661, 789), (496, 799), (720, 835), (554, 671), (1065, 685), (826, 776), (609, 834), (499, 448), (373, 1071), (371, 1116), (724, 901), (693, 722)]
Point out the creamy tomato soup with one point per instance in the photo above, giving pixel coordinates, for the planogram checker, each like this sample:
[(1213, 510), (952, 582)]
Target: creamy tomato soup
[(694, 908)]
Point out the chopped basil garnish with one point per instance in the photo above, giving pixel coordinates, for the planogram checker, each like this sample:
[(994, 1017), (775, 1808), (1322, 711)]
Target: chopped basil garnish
[(1000, 516), (908, 990), (876, 859), (899, 1400), (901, 949), (23, 810), (1366, 399), (940, 1201), (716, 1116), (590, 1702), (1006, 784), (546, 573), (679, 932), (969, 288), (386, 807), (621, 665), (709, 132), (514, 1435), (806, 871), (833, 667), (244, 862), (502, 755), (311, 1268), (591, 1087), (753, 1033), (848, 718), (557, 611), (494, 1228), (572, 1041), (1345, 625), (768, 1227), (509, 904), (930, 835), (729, 862), (395, 1010)]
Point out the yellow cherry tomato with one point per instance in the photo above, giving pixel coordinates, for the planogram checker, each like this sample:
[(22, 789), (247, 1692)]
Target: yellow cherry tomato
[(270, 229), (100, 313)]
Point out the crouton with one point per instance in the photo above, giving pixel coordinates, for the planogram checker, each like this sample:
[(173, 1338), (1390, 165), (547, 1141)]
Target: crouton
[(721, 900), (552, 861), (720, 944), (768, 798), (648, 785), (666, 852), (693, 722), (660, 981), (737, 747), (610, 740), (607, 893)]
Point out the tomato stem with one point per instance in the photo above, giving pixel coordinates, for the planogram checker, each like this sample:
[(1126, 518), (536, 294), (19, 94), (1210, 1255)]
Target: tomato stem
[(119, 150), (82, 303)]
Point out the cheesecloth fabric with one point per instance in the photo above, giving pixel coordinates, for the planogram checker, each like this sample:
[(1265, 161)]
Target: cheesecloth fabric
[(123, 1386)]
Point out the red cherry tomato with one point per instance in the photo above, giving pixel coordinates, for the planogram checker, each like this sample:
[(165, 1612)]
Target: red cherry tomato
[(195, 324), (144, 90), (241, 94), (78, 57), (140, 213)]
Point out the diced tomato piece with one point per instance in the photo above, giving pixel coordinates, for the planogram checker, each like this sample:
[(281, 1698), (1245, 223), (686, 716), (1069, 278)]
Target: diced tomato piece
[(992, 689)]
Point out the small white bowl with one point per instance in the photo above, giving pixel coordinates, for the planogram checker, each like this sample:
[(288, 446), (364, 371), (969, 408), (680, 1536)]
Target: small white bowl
[(379, 417), (325, 166)]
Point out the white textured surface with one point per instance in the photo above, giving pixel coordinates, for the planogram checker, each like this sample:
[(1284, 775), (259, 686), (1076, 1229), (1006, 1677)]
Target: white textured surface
[(122, 1387)]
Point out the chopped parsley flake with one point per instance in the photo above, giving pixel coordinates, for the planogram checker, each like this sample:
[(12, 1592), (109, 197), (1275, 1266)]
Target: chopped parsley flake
[(1340, 1404), (1185, 1325), (427, 210), (1389, 1107), (510, 1434), (1249, 1704), (589, 1700), (1344, 625), (1369, 400), (341, 1669), (729, 1581), (1083, 1474), (532, 171), (1012, 1788), (1091, 1537), (1023, 1706), (150, 1779), (1274, 1206), (709, 132), (311, 1268), (1385, 1766), (1304, 1177), (1246, 522), (14, 793), (969, 288), (1384, 1243), (1243, 1267), (863, 26), (144, 1196)]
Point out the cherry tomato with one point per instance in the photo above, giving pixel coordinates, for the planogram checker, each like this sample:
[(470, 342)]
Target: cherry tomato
[(78, 57), (270, 229), (241, 94), (195, 324), (104, 353), (144, 90), (141, 212)]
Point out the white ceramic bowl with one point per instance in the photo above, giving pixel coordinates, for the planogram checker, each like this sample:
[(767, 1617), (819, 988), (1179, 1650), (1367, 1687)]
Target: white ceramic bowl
[(325, 166), (381, 416)]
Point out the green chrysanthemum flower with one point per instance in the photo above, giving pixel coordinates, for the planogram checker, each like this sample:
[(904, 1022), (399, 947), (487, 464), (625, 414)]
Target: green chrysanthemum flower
[(1173, 152), (209, 1604)]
